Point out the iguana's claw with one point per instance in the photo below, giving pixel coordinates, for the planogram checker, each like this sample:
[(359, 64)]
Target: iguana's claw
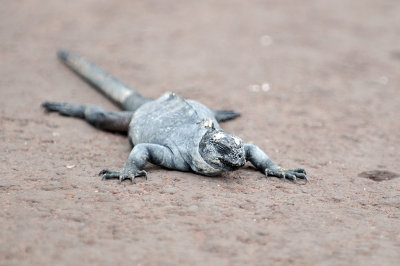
[(299, 170), (122, 175), (292, 174)]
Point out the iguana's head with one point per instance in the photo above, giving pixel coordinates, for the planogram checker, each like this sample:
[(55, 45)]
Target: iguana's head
[(222, 150)]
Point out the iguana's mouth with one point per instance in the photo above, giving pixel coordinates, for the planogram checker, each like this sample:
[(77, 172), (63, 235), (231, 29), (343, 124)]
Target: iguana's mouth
[(227, 165)]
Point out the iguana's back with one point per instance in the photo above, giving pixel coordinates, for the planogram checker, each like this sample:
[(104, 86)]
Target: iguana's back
[(170, 119)]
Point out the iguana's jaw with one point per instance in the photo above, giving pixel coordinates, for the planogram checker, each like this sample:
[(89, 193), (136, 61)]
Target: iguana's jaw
[(229, 166), (222, 150)]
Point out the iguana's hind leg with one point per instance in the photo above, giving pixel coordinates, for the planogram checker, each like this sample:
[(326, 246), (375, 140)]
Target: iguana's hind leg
[(97, 116), (225, 115)]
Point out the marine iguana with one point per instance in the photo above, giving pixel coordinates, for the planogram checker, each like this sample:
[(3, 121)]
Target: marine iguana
[(170, 131)]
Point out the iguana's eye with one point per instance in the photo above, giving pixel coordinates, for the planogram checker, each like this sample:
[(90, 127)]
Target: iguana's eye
[(221, 148)]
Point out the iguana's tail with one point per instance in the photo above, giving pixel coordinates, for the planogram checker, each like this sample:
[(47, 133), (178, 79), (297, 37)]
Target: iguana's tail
[(125, 97)]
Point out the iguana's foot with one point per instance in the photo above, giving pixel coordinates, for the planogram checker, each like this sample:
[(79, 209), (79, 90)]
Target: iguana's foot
[(67, 109), (291, 174), (122, 175)]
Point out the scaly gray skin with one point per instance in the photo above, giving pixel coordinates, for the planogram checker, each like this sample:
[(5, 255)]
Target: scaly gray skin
[(170, 131)]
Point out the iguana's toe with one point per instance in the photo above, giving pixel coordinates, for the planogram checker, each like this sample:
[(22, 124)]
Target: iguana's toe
[(141, 173), (296, 174), (293, 174), (67, 109), (300, 170), (301, 176), (108, 174), (132, 176), (122, 175), (105, 171), (51, 106)]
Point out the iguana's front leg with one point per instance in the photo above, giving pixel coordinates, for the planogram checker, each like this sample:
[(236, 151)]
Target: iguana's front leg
[(140, 155), (263, 163)]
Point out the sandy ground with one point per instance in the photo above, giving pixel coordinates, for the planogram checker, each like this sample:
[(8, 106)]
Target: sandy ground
[(317, 84)]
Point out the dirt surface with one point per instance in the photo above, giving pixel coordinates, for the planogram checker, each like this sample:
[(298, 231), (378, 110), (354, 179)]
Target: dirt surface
[(317, 84)]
